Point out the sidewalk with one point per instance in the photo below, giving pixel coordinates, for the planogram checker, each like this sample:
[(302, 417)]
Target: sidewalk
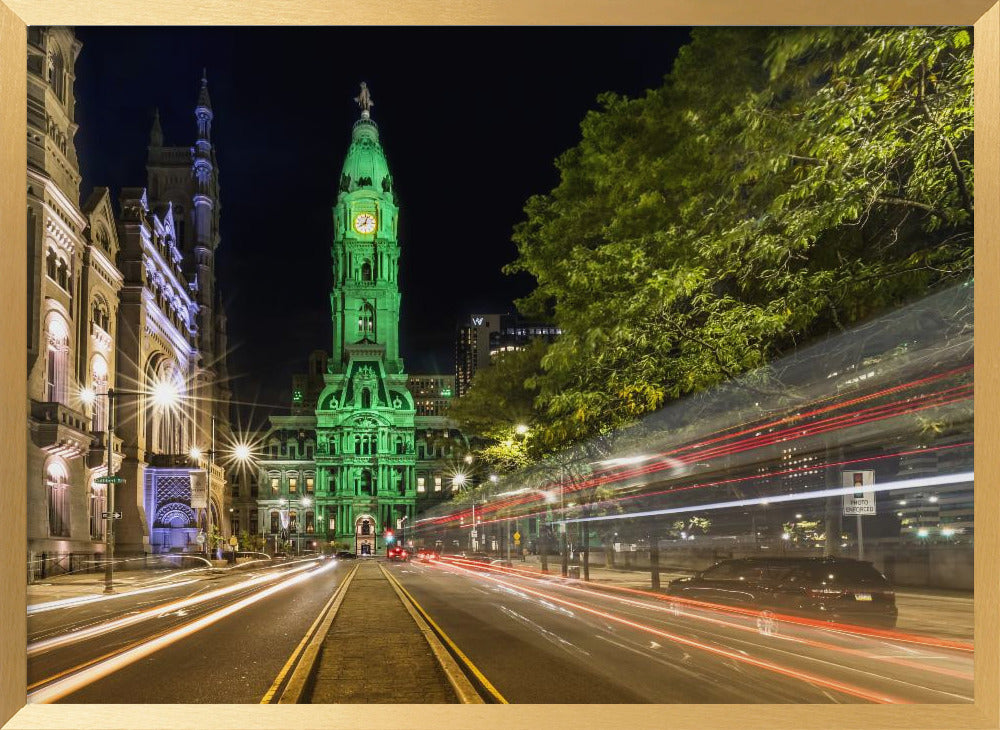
[(373, 629)]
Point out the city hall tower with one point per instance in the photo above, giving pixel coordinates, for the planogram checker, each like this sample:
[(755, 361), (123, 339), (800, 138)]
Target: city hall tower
[(365, 457)]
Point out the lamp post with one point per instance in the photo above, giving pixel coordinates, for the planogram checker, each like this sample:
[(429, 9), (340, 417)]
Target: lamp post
[(196, 454), (164, 394), (304, 502)]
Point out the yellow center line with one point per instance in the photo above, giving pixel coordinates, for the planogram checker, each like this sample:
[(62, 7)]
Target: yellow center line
[(451, 644)]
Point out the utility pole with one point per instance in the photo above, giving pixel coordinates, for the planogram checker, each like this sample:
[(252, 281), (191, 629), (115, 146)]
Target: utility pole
[(562, 525)]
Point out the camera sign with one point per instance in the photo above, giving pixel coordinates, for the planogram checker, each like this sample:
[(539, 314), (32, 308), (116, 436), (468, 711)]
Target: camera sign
[(861, 501)]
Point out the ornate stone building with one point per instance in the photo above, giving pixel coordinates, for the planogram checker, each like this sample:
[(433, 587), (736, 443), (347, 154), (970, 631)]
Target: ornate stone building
[(354, 457), (124, 301)]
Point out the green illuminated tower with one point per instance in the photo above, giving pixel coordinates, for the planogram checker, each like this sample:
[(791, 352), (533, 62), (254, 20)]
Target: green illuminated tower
[(365, 456)]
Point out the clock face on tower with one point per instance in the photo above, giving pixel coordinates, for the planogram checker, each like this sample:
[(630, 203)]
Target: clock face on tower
[(364, 223)]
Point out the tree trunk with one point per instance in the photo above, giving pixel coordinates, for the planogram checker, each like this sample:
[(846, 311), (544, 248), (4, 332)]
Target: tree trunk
[(585, 541), (654, 562)]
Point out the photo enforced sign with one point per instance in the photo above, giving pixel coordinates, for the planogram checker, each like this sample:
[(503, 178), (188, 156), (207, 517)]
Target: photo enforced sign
[(862, 500)]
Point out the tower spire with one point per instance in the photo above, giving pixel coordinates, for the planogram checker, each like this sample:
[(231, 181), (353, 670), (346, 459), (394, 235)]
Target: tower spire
[(203, 110), (156, 133)]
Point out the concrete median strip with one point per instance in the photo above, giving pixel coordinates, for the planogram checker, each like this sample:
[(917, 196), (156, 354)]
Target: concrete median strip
[(464, 689), (303, 659)]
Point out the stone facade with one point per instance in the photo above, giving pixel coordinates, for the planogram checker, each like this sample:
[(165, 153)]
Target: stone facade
[(120, 301)]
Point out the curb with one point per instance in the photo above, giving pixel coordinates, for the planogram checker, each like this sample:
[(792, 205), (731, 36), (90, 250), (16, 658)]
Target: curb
[(460, 683), (307, 652)]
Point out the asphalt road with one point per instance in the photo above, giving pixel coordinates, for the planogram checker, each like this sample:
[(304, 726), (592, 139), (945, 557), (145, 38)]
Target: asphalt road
[(537, 639), (174, 653), (545, 640)]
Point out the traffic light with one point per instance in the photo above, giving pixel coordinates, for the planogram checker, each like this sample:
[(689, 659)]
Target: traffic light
[(389, 537)]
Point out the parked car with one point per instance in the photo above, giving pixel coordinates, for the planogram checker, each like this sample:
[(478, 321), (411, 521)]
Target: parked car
[(345, 555), (398, 553), (831, 588)]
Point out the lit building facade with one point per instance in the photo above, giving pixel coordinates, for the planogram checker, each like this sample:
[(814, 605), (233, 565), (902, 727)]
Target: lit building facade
[(484, 336), (116, 301), (358, 453)]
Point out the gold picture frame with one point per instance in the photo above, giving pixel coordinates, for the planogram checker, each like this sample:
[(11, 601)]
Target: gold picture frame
[(16, 14)]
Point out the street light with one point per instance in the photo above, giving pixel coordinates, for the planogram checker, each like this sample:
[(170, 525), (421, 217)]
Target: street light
[(304, 502), (165, 395)]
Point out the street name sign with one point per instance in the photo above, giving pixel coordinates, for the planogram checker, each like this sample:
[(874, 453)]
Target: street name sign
[(115, 515), (113, 479)]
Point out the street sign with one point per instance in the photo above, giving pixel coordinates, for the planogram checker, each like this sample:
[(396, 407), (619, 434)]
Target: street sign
[(861, 501), (517, 538), (233, 541), (113, 479), (115, 515), (474, 534), (200, 539)]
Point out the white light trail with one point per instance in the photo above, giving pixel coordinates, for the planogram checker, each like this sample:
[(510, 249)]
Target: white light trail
[(796, 497), (63, 687), (97, 597), (103, 628)]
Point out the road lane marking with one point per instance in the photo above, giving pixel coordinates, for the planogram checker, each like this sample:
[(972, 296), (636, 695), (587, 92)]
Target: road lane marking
[(319, 629), (93, 670), (458, 653)]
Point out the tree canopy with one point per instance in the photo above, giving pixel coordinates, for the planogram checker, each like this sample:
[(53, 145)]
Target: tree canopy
[(780, 184)]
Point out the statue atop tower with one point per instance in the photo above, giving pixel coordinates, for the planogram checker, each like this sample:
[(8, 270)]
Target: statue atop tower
[(364, 100)]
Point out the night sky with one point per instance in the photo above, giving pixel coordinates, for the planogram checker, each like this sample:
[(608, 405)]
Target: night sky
[(471, 120)]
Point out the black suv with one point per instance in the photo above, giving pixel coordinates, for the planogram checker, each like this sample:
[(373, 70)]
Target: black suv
[(833, 589)]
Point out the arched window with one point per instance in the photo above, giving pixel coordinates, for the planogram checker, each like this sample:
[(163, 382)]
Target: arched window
[(165, 422), (62, 274), (100, 314), (52, 264), (366, 319), (366, 482), (57, 74), (366, 271), (366, 398), (104, 240), (98, 504), (57, 360), (366, 527), (99, 384), (57, 481)]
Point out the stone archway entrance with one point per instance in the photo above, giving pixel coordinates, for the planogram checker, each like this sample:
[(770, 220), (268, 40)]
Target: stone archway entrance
[(364, 535)]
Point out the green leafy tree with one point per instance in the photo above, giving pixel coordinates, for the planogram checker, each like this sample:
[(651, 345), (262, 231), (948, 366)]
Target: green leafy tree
[(501, 398), (779, 184)]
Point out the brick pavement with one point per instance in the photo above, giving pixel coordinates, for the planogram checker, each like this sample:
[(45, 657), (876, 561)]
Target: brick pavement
[(375, 652)]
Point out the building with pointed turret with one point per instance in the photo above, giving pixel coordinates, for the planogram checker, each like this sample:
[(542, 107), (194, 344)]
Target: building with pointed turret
[(357, 454), (121, 300)]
